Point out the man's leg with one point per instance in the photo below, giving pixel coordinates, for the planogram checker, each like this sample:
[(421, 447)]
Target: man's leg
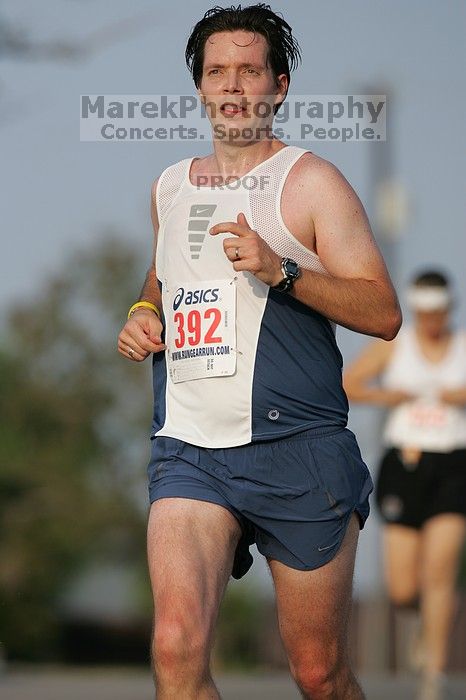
[(313, 610), (191, 546)]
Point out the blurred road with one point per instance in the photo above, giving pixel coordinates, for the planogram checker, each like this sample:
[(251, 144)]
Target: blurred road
[(93, 684)]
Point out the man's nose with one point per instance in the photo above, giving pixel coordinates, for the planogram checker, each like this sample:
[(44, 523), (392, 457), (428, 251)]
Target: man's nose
[(232, 82)]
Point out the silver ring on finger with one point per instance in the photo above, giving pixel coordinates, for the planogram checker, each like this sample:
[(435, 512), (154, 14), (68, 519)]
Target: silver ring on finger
[(131, 353), (237, 256)]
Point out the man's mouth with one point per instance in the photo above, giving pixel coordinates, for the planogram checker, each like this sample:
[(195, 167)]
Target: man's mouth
[(230, 109)]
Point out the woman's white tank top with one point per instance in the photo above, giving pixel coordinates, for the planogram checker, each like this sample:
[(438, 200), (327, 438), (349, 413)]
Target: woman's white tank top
[(426, 422)]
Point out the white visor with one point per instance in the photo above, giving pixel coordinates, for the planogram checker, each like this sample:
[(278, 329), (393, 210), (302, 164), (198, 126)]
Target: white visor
[(428, 298)]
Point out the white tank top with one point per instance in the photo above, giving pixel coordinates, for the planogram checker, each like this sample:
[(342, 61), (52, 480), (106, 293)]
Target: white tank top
[(425, 422), (244, 362)]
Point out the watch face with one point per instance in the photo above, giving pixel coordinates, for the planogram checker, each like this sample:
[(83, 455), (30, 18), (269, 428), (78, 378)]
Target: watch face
[(291, 272), (291, 268)]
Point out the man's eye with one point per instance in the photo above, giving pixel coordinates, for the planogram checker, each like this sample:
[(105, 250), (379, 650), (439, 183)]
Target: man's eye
[(214, 70), (251, 70)]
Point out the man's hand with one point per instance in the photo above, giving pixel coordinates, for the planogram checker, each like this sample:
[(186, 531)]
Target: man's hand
[(141, 335), (249, 252)]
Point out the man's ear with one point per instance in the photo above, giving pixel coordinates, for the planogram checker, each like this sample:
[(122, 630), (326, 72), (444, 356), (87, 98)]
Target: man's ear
[(282, 88), (201, 96)]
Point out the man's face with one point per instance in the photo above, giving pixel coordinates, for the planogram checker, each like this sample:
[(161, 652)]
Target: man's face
[(238, 86)]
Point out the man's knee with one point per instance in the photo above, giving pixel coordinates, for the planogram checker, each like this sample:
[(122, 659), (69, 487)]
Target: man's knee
[(178, 645), (315, 681), (316, 668), (322, 679)]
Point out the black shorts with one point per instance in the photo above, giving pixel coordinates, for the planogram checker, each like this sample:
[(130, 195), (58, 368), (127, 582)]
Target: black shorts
[(409, 494)]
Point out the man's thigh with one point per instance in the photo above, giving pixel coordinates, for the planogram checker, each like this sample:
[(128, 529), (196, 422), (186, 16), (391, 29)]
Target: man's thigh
[(190, 546), (313, 606)]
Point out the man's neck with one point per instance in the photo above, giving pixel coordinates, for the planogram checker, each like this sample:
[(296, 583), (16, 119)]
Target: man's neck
[(230, 160)]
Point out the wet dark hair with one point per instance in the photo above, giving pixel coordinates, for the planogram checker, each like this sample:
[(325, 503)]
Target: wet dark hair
[(431, 278), (284, 53)]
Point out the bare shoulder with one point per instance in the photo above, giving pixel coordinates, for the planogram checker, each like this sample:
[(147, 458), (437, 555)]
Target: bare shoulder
[(342, 234), (320, 207), (319, 176)]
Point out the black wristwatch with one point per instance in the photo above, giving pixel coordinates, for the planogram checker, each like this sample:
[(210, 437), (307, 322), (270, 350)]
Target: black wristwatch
[(291, 272)]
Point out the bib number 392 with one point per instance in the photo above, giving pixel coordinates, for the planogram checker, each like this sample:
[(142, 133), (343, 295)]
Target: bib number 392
[(201, 330), (189, 327)]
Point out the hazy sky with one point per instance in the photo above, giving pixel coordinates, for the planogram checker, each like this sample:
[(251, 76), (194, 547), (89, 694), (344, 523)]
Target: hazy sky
[(58, 193)]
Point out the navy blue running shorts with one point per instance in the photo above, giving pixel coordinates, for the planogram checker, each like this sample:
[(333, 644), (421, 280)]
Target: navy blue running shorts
[(293, 497)]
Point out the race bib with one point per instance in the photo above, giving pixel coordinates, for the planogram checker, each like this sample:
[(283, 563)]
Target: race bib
[(425, 424), (201, 330), (432, 425), (428, 414)]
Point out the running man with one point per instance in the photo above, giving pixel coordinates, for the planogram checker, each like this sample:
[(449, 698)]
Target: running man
[(239, 306)]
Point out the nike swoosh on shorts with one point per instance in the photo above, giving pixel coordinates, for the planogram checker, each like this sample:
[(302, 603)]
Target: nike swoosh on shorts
[(321, 549)]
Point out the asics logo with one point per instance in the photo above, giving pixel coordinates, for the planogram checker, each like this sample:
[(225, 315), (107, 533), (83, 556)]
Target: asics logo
[(178, 298), (195, 296)]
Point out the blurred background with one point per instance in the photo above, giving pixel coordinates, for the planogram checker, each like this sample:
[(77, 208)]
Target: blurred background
[(76, 242)]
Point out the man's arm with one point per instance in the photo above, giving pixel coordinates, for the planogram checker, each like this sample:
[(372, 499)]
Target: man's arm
[(357, 293), (143, 330), (150, 290)]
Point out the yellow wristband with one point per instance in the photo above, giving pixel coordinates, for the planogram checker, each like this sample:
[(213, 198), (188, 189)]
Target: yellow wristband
[(143, 305)]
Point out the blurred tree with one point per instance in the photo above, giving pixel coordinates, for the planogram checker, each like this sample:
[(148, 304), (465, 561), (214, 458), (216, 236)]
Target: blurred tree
[(75, 418)]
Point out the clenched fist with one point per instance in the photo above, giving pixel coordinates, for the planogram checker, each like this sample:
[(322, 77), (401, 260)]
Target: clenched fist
[(141, 335)]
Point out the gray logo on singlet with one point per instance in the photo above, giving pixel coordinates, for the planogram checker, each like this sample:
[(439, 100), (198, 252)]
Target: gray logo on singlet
[(199, 220)]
